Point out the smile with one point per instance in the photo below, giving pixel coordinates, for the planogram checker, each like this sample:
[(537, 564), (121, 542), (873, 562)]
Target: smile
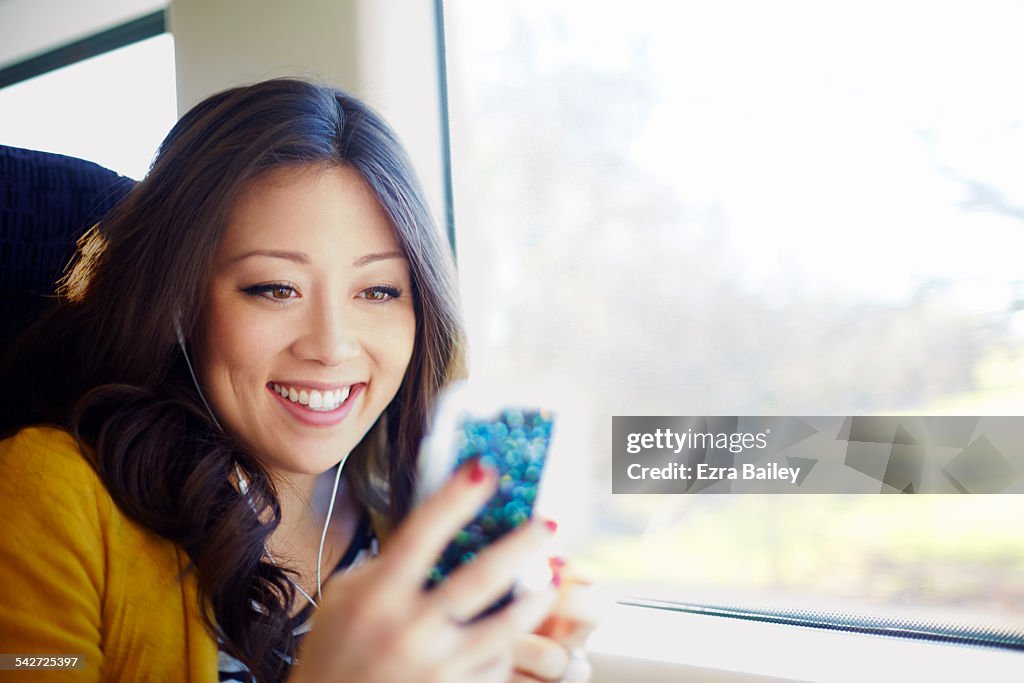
[(313, 399), (316, 407)]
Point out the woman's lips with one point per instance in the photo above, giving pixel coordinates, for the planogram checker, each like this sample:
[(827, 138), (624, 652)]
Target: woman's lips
[(319, 418)]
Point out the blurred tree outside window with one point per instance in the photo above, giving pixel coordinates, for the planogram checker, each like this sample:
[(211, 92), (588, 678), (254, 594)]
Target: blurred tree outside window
[(744, 208)]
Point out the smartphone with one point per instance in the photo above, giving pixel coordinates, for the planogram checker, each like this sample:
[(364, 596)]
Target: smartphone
[(514, 431)]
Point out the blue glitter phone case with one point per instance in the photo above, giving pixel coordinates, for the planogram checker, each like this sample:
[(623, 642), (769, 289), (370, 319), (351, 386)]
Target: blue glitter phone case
[(514, 442), (515, 439)]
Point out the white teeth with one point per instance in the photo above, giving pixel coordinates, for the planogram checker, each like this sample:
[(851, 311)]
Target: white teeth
[(312, 398)]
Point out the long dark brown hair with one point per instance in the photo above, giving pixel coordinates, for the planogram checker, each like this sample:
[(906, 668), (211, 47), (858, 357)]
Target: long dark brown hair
[(103, 362)]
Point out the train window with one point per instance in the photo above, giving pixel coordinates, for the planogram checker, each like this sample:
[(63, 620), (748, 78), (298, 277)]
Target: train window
[(113, 109), (750, 208)]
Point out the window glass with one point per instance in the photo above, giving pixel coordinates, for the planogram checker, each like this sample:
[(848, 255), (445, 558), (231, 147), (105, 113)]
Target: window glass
[(747, 208), (113, 109)]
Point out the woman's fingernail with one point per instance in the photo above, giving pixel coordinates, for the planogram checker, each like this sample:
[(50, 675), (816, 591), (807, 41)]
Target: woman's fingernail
[(556, 562), (477, 471), (556, 578), (551, 524)]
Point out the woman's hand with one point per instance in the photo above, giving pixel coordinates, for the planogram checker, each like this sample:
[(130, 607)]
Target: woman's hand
[(554, 652), (376, 624)]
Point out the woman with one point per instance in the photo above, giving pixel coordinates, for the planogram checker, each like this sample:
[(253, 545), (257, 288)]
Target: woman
[(271, 304)]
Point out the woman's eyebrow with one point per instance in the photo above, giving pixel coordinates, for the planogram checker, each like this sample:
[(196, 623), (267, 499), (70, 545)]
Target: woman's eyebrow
[(370, 258), (296, 256)]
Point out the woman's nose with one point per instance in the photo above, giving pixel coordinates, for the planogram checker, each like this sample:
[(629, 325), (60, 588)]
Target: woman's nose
[(328, 335)]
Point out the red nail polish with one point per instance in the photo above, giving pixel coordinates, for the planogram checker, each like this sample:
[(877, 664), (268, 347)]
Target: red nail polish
[(477, 472), (556, 579), (551, 524), (556, 562)]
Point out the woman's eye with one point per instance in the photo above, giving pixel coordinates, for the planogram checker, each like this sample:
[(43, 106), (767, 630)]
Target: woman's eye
[(274, 292), (380, 293)]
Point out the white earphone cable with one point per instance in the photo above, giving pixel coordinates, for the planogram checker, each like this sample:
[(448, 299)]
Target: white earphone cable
[(191, 371)]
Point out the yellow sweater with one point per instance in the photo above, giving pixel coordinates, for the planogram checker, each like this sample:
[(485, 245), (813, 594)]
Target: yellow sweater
[(78, 577)]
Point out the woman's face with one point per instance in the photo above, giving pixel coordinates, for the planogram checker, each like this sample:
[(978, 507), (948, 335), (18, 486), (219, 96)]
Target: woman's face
[(308, 320)]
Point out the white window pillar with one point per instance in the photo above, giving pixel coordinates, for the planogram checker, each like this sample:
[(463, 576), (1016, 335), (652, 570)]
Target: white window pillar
[(383, 51)]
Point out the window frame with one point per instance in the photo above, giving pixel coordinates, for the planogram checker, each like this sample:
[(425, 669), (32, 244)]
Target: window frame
[(655, 646), (101, 42)]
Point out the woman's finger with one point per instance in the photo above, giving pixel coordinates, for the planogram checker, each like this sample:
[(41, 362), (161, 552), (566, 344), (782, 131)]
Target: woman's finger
[(577, 670), (491, 637), (520, 677), (474, 586), (498, 670), (540, 657), (576, 612), (421, 538)]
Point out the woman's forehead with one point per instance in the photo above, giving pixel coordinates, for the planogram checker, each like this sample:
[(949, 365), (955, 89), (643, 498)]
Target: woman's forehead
[(316, 210)]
